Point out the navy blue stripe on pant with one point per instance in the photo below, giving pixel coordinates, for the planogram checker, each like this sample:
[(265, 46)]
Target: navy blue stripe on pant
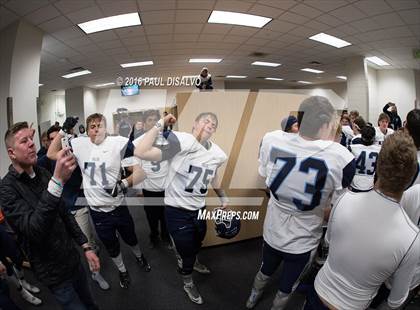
[(293, 266), (107, 224), (188, 233)]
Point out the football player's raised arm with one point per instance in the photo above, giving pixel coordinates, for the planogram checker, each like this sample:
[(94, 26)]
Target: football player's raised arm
[(138, 175), (145, 149)]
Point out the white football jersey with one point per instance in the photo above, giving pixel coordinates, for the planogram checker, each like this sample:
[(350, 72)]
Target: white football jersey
[(370, 239), (365, 157), (411, 204), (302, 176), (191, 170), (156, 172), (380, 137), (100, 166), (417, 177), (348, 133)]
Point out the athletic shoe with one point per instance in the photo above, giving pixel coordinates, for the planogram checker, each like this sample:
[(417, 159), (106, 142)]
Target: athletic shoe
[(200, 268), (253, 298), (26, 295), (193, 293), (29, 287), (97, 277), (142, 261), (124, 279)]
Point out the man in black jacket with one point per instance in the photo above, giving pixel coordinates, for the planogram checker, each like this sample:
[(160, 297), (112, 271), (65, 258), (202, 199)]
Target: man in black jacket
[(390, 109), (32, 204)]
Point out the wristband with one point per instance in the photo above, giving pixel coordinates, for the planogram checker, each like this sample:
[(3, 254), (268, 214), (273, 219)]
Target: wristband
[(159, 125), (57, 182), (62, 133), (125, 183)]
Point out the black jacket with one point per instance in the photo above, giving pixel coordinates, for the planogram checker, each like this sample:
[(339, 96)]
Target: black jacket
[(395, 119), (44, 227)]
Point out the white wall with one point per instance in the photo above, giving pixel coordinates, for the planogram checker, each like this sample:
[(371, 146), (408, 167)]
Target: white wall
[(397, 86), (374, 108), (90, 97), (52, 107)]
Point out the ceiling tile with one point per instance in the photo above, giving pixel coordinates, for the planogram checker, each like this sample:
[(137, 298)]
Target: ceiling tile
[(160, 38), (192, 16), (153, 5), (235, 39), (55, 24), (109, 44), (186, 37), (86, 14), (66, 6), (216, 28), (6, 17), (133, 31), (348, 13), (68, 33), (78, 42), (24, 7), (303, 32), (195, 5), (389, 20), (366, 24), (267, 11), (410, 16), (211, 37), (329, 20), (188, 28), (233, 6), (43, 14), (267, 34), (157, 17), (305, 10), (317, 25), (134, 41), (107, 35), (243, 31), (326, 5), (373, 7), (280, 26), (293, 18), (404, 4), (283, 4), (258, 41), (159, 29), (110, 8)]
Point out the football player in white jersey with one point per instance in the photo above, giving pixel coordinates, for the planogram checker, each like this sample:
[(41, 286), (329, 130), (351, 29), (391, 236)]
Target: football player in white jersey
[(382, 131), (371, 237), (99, 158), (154, 187), (194, 161), (366, 153), (302, 171), (412, 126)]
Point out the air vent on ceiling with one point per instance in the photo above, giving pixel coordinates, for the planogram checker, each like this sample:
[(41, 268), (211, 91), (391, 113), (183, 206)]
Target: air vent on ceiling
[(258, 54), (315, 63)]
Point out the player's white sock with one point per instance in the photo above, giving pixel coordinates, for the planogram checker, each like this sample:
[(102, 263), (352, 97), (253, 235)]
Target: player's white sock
[(136, 251), (119, 263)]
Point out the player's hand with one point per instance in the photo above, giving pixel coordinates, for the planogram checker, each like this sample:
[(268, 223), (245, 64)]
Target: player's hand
[(64, 166), (3, 270), (169, 119), (69, 123), (93, 261)]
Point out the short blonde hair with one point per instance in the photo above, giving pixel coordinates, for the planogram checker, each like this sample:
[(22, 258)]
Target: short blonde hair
[(397, 162)]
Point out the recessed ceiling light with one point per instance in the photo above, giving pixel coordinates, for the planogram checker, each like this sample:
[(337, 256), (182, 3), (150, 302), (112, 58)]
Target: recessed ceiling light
[(241, 19), (105, 84), (236, 76), (205, 60), (377, 61), (341, 77), (312, 70), (273, 79), (137, 64), (112, 22), (330, 40), (266, 64), (304, 82), (74, 74), (39, 85)]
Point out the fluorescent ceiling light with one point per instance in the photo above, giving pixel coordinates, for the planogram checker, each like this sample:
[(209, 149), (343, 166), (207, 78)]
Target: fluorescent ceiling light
[(377, 61), (341, 77), (206, 60), (112, 22), (312, 70), (74, 74), (39, 85), (304, 82), (105, 84), (236, 76), (273, 79), (266, 64), (330, 40), (241, 19), (137, 64)]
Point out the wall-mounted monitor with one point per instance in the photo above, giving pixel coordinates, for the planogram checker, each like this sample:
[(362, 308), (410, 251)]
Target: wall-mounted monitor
[(130, 90)]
